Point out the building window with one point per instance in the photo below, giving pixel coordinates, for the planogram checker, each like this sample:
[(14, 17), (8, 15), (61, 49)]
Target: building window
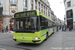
[(44, 9), (31, 0), (36, 2), (35, 7), (13, 1), (64, 1), (1, 10), (24, 9), (25, 3), (31, 6), (39, 6), (69, 14), (1, 2), (69, 3), (44, 12), (49, 13)]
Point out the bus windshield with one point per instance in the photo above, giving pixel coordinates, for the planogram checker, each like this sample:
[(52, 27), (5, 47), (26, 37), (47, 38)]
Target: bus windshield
[(27, 24)]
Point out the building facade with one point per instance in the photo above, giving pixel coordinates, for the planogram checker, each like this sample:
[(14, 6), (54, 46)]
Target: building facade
[(1, 15), (52, 15), (9, 7), (70, 13)]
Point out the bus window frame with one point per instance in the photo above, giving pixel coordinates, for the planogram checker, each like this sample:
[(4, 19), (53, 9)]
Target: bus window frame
[(38, 23)]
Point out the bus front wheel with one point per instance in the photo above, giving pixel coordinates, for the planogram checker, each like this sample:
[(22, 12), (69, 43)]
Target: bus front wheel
[(46, 36)]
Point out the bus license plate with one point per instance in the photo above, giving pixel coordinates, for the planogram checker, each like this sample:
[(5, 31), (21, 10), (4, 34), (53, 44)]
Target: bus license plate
[(24, 41)]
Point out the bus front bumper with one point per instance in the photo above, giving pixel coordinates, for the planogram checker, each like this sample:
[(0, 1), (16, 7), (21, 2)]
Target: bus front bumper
[(36, 40), (28, 41)]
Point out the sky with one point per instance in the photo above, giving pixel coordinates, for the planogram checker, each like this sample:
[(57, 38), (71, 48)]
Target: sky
[(58, 7)]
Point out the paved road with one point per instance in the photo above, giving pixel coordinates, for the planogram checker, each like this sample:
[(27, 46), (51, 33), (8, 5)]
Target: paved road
[(58, 41)]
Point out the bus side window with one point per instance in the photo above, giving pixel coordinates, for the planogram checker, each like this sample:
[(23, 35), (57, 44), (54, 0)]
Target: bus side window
[(37, 23), (49, 24), (17, 24), (46, 23), (42, 23), (52, 24)]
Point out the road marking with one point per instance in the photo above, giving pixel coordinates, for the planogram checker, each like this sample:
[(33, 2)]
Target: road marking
[(62, 48), (2, 49)]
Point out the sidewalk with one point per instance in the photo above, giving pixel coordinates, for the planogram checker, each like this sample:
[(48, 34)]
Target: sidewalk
[(8, 32), (4, 32)]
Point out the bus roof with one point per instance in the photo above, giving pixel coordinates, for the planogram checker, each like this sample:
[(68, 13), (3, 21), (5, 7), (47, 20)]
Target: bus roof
[(25, 11), (45, 16), (38, 13)]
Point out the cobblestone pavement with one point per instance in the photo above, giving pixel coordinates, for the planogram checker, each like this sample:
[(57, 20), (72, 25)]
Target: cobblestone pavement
[(68, 41), (62, 40)]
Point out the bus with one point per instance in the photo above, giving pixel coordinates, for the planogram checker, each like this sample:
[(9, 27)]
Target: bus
[(32, 26)]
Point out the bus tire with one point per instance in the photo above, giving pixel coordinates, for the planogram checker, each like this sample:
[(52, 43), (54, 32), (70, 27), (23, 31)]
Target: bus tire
[(46, 36), (53, 31)]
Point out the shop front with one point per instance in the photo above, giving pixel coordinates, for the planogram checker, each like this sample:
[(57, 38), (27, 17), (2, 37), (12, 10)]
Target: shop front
[(1, 24), (11, 24)]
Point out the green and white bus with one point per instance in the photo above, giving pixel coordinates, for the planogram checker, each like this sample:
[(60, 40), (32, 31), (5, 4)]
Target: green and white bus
[(32, 27)]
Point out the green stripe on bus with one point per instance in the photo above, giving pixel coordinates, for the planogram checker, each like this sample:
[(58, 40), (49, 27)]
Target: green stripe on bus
[(43, 34)]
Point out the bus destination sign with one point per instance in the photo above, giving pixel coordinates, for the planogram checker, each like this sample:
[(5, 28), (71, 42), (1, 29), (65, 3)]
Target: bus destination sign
[(27, 13)]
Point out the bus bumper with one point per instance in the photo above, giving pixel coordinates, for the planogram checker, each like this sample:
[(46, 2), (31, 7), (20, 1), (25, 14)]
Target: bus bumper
[(28, 41), (36, 40)]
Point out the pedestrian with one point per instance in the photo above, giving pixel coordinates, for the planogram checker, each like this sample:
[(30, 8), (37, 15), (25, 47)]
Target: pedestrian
[(57, 29), (2, 30), (62, 27), (65, 27), (11, 28), (69, 28), (6, 28)]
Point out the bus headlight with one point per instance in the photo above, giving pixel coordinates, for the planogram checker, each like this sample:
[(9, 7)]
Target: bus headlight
[(14, 37), (36, 38)]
